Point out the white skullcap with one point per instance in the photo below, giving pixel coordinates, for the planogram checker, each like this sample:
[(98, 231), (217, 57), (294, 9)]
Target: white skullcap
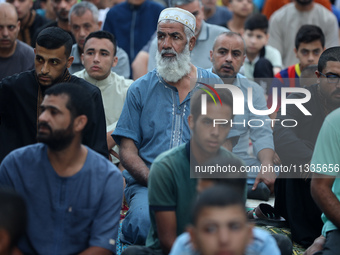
[(179, 15)]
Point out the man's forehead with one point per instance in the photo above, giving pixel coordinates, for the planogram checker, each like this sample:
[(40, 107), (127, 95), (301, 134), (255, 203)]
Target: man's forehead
[(57, 101), (99, 44), (86, 17), (58, 53), (229, 43), (171, 27)]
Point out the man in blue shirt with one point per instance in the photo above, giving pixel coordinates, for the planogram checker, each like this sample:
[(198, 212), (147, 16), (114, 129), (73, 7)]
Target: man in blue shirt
[(155, 113), (73, 194), (227, 56)]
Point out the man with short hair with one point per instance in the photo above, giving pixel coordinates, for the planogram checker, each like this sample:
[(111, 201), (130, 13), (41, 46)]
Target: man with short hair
[(227, 57), (20, 95), (205, 35), (15, 56), (154, 116), (309, 44), (30, 21), (98, 58), (73, 194), (83, 19), (291, 17), (295, 147)]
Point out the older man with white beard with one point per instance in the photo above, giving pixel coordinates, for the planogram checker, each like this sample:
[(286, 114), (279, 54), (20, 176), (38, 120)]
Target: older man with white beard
[(155, 112)]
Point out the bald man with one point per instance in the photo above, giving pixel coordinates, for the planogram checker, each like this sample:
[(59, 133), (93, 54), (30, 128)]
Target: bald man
[(15, 56)]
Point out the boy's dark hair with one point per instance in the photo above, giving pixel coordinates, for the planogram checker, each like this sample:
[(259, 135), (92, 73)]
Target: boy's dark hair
[(103, 35), (216, 196), (79, 100), (331, 54), (256, 21), (308, 34), (13, 215), (195, 106), (53, 38)]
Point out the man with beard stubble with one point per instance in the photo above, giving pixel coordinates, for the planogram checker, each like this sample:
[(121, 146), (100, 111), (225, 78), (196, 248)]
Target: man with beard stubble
[(73, 194), (21, 95), (155, 113)]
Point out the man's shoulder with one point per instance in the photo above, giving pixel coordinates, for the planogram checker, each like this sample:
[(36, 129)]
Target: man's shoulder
[(245, 82), (119, 80), (101, 165), (176, 154), (25, 48), (27, 155), (206, 73), (215, 30), (146, 82), (92, 88), (19, 80)]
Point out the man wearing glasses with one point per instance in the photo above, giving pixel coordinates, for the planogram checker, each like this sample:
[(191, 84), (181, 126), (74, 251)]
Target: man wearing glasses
[(295, 146)]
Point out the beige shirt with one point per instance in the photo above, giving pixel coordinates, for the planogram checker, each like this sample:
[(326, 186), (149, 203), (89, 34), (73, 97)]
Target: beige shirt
[(113, 89)]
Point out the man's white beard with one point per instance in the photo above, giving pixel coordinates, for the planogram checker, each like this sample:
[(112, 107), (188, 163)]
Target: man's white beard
[(175, 68)]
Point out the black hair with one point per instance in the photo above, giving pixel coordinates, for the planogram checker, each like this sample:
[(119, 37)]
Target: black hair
[(308, 34), (13, 215), (256, 21), (79, 100), (216, 196), (331, 54), (103, 35), (195, 107), (53, 38)]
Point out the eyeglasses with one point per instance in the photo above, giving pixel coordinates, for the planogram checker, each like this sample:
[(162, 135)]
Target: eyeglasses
[(331, 78)]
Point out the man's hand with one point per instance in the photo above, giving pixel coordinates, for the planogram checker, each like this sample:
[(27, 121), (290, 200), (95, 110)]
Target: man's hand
[(276, 159), (316, 246), (267, 178), (266, 174)]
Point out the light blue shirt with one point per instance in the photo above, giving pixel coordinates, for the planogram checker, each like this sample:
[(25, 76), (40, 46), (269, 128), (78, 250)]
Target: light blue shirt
[(153, 116), (263, 244)]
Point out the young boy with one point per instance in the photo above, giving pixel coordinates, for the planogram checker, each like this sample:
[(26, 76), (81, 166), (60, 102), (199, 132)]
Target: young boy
[(218, 206), (262, 61), (309, 45)]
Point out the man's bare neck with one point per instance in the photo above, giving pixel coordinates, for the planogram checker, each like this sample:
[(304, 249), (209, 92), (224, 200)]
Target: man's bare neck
[(69, 161)]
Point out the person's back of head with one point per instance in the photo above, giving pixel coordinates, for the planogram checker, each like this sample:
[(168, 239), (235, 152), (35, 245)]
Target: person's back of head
[(53, 38), (13, 220), (219, 222)]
